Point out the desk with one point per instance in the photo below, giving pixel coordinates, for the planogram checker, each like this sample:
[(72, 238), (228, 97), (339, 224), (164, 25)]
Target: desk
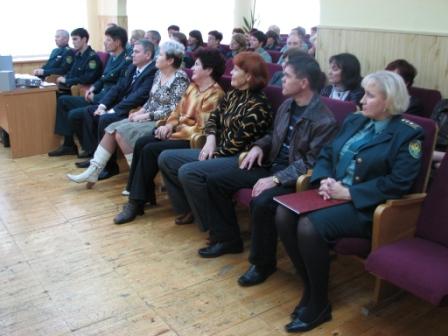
[(28, 115)]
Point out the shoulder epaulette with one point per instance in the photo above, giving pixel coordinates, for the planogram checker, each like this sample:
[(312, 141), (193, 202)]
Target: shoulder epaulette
[(409, 123)]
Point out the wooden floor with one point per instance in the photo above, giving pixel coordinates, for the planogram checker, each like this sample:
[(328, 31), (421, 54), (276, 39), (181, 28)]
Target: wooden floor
[(66, 269)]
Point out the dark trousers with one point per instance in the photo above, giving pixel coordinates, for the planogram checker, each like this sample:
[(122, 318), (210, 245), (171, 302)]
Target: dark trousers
[(222, 185), (64, 105), (144, 166), (186, 181)]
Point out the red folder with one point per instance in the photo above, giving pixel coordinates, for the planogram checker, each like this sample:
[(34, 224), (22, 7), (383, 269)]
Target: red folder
[(306, 201)]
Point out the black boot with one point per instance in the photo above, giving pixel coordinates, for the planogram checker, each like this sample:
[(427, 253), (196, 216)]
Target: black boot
[(130, 211)]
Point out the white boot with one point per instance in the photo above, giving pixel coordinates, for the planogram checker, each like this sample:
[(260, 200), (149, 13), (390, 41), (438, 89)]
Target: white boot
[(90, 175), (129, 158)]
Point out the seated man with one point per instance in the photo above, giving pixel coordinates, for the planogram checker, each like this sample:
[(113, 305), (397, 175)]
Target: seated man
[(131, 91), (172, 29), (86, 68), (115, 40), (214, 41), (295, 40), (408, 72), (61, 58), (277, 77), (302, 126), (154, 37)]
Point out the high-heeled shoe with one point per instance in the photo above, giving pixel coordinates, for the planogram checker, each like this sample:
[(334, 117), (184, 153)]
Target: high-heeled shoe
[(297, 325), (90, 175)]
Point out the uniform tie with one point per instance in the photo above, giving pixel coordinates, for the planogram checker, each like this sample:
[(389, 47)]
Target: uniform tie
[(136, 74)]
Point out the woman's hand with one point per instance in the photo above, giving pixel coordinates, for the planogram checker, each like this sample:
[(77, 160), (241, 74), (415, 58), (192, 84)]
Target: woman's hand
[(139, 117), (209, 148), (163, 132), (332, 189), (255, 155)]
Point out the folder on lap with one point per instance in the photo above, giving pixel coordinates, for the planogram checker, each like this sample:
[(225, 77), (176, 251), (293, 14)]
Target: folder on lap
[(306, 201)]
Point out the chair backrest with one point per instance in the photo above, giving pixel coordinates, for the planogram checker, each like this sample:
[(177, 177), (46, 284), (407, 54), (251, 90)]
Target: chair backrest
[(189, 72), (275, 55), (428, 97), (224, 82), (428, 145), (104, 56), (229, 67), (273, 68), (432, 224), (341, 109), (275, 96)]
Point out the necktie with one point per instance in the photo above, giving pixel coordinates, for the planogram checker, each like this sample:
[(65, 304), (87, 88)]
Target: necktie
[(352, 150), (137, 72)]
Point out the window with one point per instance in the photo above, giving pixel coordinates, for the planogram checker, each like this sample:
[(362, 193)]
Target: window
[(28, 27)]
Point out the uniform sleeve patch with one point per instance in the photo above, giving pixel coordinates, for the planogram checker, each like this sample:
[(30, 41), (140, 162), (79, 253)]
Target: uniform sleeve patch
[(415, 149), (92, 64), (69, 59)]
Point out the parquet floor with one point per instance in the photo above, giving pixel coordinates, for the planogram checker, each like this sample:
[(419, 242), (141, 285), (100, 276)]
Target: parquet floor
[(66, 269)]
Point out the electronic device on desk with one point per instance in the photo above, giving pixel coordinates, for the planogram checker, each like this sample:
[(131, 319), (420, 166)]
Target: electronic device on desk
[(7, 82), (29, 81)]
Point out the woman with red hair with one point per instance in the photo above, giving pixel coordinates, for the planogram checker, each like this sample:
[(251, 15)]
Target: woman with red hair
[(243, 117)]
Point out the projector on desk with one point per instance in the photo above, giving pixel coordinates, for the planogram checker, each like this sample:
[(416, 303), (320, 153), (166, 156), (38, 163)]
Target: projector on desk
[(28, 81)]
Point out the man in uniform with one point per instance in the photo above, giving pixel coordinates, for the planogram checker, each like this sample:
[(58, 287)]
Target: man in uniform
[(61, 58), (86, 68), (115, 40)]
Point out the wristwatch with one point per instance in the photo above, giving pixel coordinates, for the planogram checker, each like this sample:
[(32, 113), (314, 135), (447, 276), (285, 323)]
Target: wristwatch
[(275, 179)]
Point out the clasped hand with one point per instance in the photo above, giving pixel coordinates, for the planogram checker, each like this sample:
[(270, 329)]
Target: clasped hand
[(332, 189)]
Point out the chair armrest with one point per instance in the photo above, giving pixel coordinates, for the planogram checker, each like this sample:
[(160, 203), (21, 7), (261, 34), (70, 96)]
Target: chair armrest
[(79, 89), (303, 181), (396, 219), (197, 140), (52, 78)]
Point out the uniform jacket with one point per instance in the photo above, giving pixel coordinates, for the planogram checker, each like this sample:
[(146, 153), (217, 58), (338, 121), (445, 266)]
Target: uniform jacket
[(315, 128), (385, 168), (86, 68), (115, 65), (125, 95), (59, 62)]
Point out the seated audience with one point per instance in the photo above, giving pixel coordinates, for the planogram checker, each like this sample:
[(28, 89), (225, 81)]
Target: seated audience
[(243, 116), (194, 40), (275, 29), (188, 119), (114, 42), (172, 29), (86, 68), (136, 35), (237, 30), (237, 44), (61, 58), (408, 72), (276, 79), (187, 61), (272, 41), (214, 40), (154, 37), (302, 126), (375, 157), (344, 77), (168, 87), (293, 41), (257, 40), (313, 41)]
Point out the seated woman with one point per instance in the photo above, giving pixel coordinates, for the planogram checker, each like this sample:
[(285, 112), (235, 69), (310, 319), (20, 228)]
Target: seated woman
[(243, 116), (344, 77), (188, 119), (257, 39), (272, 41), (195, 40), (237, 44), (168, 87), (408, 72), (375, 157)]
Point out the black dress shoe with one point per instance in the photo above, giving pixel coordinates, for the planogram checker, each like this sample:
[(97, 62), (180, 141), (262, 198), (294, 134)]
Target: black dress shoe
[(130, 211), (297, 324), (255, 275), (108, 173), (186, 218), (64, 150), (83, 164), (217, 249), (84, 155), (297, 312)]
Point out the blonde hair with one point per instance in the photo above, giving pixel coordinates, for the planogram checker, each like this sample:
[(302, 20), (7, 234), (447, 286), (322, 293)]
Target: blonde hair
[(392, 87)]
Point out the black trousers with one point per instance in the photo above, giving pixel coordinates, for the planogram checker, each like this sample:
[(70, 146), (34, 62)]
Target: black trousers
[(144, 166), (222, 185), (64, 105)]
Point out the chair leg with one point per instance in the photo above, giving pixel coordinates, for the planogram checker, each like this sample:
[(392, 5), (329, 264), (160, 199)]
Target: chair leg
[(383, 294)]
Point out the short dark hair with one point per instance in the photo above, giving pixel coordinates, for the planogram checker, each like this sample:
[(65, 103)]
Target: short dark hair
[(155, 35), (300, 31), (216, 34), (174, 27), (198, 36), (405, 69), (147, 46), (253, 64), (260, 36), (295, 52), (307, 67), (117, 33), (181, 38), (350, 70), (212, 59), (81, 32)]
